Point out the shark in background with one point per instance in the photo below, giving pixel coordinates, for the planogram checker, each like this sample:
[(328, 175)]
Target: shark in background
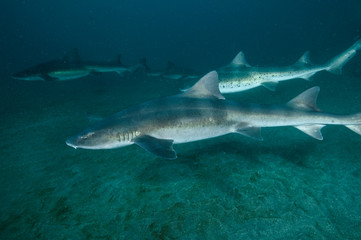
[(240, 76), (114, 66), (70, 67), (201, 113), (171, 72)]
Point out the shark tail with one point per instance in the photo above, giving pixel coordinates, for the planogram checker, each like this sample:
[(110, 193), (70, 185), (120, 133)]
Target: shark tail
[(336, 64)]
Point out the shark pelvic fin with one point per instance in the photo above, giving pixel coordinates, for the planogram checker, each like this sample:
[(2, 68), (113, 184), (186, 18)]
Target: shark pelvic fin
[(270, 85), (354, 128), (252, 132), (160, 147), (207, 86), (306, 100), (308, 77), (312, 130), (240, 60)]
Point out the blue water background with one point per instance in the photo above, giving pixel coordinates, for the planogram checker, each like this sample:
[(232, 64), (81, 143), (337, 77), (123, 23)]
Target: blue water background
[(289, 186)]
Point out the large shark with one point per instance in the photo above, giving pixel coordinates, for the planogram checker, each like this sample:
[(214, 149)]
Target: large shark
[(201, 113), (240, 76)]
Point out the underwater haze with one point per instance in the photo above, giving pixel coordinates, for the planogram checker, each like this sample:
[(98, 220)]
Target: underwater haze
[(288, 186)]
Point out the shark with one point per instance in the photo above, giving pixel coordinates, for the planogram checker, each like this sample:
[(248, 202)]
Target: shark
[(115, 66), (52, 71), (200, 113), (68, 68), (172, 72), (71, 67), (239, 76)]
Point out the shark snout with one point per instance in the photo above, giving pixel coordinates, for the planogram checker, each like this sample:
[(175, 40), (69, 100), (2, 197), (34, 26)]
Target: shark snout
[(71, 142)]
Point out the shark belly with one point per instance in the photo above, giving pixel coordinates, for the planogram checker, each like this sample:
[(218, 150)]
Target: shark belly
[(68, 75), (190, 134)]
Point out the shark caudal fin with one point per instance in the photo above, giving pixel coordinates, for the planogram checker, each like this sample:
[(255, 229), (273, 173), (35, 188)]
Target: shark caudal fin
[(336, 64)]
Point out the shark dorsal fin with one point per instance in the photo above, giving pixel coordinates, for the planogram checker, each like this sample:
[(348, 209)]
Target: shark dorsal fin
[(207, 86), (144, 63), (72, 57), (240, 60), (304, 59), (170, 66), (119, 60), (306, 100)]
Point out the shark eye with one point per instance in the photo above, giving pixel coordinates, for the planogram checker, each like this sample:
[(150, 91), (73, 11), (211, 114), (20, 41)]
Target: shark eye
[(87, 135)]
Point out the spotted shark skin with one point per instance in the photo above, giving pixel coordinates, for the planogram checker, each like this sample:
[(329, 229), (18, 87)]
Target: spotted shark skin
[(239, 76)]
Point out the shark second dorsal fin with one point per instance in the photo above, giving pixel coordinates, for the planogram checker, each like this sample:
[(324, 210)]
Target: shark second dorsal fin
[(170, 66), (207, 86), (72, 57), (119, 60), (239, 60), (304, 59), (306, 100)]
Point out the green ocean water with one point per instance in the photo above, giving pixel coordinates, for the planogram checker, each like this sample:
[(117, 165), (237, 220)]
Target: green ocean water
[(289, 186)]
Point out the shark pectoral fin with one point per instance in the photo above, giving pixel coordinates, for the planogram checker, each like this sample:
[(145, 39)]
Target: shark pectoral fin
[(270, 85), (160, 147), (252, 132), (48, 78), (306, 101), (312, 130)]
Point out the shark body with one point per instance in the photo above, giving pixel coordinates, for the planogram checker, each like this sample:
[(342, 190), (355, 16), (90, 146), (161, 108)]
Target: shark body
[(115, 66), (201, 113), (71, 67), (240, 76), (172, 72), (56, 70)]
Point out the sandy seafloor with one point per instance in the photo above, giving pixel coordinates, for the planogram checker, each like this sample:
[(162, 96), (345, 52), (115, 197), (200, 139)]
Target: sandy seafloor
[(289, 186)]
